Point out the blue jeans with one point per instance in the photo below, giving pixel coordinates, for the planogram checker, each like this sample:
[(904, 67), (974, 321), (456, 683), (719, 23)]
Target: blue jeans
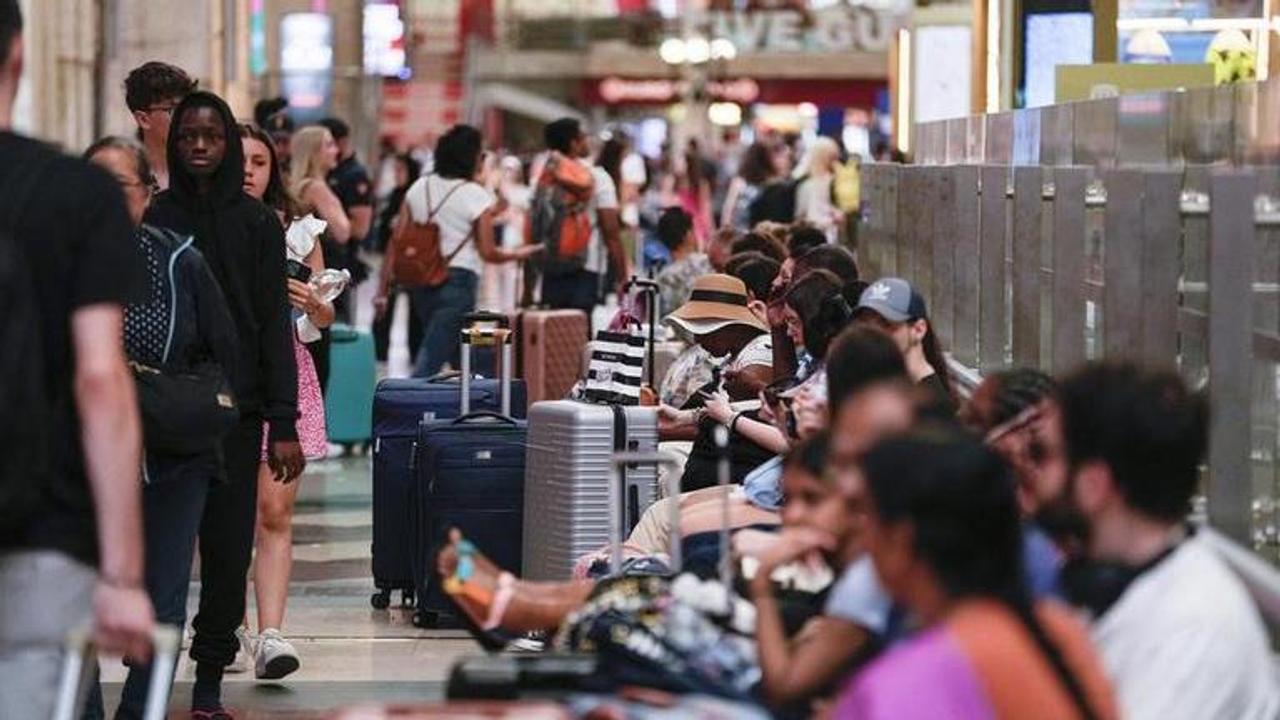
[(440, 310), (577, 291), (171, 509)]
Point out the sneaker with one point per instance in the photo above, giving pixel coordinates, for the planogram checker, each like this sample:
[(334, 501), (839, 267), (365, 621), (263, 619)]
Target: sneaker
[(244, 656), (276, 657)]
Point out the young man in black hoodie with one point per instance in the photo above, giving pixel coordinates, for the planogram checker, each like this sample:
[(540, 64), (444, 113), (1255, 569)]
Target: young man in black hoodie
[(243, 242)]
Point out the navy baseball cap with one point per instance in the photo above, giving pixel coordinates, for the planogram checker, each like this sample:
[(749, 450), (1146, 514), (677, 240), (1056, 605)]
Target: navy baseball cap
[(892, 299)]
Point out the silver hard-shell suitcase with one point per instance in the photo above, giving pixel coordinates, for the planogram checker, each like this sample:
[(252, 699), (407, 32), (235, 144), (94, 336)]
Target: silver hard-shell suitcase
[(567, 491)]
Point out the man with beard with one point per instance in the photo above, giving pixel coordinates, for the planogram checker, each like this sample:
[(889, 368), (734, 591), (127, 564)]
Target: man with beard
[(244, 244), (1176, 628)]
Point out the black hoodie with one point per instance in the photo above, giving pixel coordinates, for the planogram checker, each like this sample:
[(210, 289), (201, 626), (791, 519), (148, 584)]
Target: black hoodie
[(243, 242)]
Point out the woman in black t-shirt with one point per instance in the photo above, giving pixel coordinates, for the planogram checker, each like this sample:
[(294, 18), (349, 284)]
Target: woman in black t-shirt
[(895, 307)]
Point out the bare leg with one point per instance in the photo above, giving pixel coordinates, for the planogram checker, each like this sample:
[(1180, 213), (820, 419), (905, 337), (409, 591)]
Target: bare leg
[(533, 605), (274, 562)]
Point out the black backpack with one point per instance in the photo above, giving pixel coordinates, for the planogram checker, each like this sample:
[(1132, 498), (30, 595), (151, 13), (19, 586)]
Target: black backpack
[(24, 420), (776, 202)]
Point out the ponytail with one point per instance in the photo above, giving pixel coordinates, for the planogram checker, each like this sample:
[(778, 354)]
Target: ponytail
[(933, 355)]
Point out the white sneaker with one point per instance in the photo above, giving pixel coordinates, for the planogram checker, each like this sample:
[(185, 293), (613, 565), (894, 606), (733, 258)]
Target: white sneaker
[(244, 655), (276, 657)]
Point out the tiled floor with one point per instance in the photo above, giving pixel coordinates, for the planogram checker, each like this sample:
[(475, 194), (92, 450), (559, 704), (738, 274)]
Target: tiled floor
[(350, 652)]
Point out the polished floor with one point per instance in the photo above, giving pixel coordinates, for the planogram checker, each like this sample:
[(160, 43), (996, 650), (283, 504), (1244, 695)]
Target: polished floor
[(350, 652)]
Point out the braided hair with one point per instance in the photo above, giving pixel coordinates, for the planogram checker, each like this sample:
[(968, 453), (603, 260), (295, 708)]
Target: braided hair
[(959, 497), (1015, 391)]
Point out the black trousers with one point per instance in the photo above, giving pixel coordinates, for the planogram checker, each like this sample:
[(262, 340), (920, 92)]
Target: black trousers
[(226, 547), (382, 327)]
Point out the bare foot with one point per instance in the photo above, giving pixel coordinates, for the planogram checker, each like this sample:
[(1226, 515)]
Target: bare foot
[(474, 593)]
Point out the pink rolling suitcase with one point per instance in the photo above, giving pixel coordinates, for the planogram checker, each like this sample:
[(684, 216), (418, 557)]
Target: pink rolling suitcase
[(551, 347)]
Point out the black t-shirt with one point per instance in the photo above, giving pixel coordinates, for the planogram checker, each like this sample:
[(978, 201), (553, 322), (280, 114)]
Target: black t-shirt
[(938, 401), (76, 236), (350, 182)]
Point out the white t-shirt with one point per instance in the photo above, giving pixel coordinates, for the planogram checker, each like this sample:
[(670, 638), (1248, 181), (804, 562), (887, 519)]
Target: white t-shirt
[(605, 197), (634, 174), (859, 598), (455, 216), (1185, 641)]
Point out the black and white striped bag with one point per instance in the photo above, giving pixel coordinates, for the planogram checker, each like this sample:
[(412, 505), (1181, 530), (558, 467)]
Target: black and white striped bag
[(616, 370)]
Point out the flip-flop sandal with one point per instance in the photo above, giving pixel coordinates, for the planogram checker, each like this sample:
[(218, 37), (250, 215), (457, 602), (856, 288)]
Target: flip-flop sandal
[(458, 585)]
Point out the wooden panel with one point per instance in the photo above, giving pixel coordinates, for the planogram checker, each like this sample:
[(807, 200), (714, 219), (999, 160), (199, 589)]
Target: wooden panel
[(1161, 239), (964, 339), (1025, 271), (1068, 267), (1231, 252), (991, 287), (1122, 265)]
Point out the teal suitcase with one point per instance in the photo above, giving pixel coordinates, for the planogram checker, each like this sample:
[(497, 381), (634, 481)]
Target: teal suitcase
[(348, 401)]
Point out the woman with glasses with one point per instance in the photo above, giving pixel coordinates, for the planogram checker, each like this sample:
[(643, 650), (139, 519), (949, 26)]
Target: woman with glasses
[(178, 322)]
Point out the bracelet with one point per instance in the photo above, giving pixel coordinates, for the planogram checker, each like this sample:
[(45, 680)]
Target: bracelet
[(733, 422)]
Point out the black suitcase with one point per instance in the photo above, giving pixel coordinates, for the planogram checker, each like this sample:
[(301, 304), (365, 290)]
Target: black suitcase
[(468, 473), (399, 407)]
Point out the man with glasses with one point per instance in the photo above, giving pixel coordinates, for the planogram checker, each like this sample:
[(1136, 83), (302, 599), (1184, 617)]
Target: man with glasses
[(152, 91)]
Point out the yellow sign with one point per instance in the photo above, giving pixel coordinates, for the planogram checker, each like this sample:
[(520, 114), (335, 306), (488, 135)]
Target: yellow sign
[(1102, 80)]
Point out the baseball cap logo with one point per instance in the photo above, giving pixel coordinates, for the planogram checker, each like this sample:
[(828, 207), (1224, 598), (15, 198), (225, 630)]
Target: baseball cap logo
[(878, 292)]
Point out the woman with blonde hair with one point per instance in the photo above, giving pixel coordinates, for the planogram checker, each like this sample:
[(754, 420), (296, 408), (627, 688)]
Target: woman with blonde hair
[(315, 154), (813, 194)]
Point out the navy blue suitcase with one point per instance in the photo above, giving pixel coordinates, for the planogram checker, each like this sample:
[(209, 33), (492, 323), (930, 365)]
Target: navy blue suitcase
[(469, 474), (399, 407)]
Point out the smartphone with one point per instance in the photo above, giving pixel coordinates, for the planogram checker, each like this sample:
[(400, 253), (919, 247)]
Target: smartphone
[(296, 270)]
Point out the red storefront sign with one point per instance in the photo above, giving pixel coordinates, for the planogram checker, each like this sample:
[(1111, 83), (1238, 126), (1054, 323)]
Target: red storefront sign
[(616, 91)]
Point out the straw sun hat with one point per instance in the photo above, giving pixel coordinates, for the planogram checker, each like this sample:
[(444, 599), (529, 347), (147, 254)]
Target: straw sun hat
[(717, 301)]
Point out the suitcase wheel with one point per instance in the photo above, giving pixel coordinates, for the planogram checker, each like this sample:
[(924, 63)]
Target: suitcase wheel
[(407, 598), (381, 600), (426, 618)]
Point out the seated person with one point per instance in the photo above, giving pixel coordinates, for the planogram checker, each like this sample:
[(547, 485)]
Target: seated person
[(943, 532), (861, 359), (720, 321), (897, 308), (705, 656), (815, 313), (788, 360), (675, 282), (693, 368)]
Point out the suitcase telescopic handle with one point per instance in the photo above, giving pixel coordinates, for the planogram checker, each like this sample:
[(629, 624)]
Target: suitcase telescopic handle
[(79, 669), (653, 290), (484, 316), (617, 496), (481, 415), (503, 336)]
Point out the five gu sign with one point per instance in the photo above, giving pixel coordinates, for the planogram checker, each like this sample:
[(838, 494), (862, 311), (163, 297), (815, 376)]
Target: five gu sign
[(840, 28)]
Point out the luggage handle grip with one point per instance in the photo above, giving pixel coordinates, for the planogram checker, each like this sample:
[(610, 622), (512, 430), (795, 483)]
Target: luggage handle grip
[(483, 415), (645, 285), (483, 316), (80, 663), (617, 462)]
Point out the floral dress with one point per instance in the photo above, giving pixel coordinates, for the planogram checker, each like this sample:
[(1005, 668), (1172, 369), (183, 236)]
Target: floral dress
[(299, 241)]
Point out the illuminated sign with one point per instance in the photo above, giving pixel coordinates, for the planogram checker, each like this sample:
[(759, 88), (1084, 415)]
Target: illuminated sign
[(840, 28), (384, 51), (620, 91), (306, 42)]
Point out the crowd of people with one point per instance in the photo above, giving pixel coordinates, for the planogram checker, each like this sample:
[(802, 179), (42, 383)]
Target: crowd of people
[(899, 550)]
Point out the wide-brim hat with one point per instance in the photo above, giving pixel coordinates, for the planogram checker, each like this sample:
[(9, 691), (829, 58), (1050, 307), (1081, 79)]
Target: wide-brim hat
[(717, 301)]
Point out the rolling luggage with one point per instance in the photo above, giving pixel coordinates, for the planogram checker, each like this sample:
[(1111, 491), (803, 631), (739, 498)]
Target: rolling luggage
[(399, 407), (566, 494), (468, 473), (348, 399), (79, 672), (550, 349)]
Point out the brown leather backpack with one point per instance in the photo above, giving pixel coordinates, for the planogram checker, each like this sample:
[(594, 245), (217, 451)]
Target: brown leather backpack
[(416, 257)]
